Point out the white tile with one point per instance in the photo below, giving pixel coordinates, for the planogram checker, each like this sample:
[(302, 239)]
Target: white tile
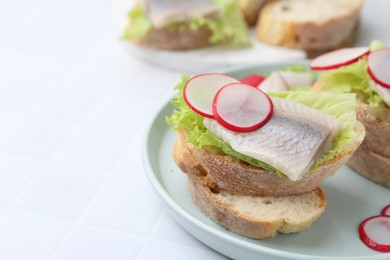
[(15, 173), (83, 75), (115, 110), (40, 71), (9, 21), (35, 138), (6, 119), (163, 250), (9, 58), (16, 40), (76, 40), (60, 191), (17, 95), (26, 236), (94, 147), (48, 17), (125, 167), (65, 105), (99, 244), (130, 161), (126, 207), (169, 230)]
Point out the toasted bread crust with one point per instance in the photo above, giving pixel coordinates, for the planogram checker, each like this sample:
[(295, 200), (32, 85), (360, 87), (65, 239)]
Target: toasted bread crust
[(312, 36), (377, 132), (239, 177), (175, 39), (371, 165), (372, 158), (205, 195)]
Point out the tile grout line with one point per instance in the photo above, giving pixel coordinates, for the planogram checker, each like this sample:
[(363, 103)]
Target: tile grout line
[(43, 164), (148, 239), (84, 213)]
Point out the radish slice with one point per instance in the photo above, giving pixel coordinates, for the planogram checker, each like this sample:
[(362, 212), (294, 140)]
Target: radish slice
[(252, 80), (199, 92), (338, 58), (386, 210), (273, 83), (242, 108), (379, 66), (375, 233)]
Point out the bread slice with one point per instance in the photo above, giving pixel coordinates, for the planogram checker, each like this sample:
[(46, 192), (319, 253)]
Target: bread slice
[(372, 158), (371, 165), (377, 132), (315, 26), (251, 10), (256, 217), (238, 177)]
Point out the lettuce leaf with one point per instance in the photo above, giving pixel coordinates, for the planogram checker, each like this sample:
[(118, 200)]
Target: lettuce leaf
[(231, 27), (340, 106), (354, 78), (140, 24)]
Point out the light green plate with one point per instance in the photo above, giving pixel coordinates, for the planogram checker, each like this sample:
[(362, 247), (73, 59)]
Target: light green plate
[(351, 198)]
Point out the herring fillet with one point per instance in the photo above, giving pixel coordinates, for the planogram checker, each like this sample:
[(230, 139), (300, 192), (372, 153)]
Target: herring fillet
[(290, 141), (164, 12)]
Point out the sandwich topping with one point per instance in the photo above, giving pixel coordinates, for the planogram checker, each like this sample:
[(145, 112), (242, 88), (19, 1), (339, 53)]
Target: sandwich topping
[(304, 130), (285, 134), (367, 76), (164, 12), (290, 141)]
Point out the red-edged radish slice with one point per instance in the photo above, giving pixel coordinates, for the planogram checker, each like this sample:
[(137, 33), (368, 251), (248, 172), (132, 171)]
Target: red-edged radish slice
[(386, 210), (200, 90), (242, 108), (297, 79), (379, 66), (252, 80), (273, 83), (338, 58), (375, 233)]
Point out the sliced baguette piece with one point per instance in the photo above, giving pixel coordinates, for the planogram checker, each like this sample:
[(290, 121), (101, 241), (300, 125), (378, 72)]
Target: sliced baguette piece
[(251, 9), (377, 137), (256, 216), (238, 177), (371, 165), (315, 26), (372, 158)]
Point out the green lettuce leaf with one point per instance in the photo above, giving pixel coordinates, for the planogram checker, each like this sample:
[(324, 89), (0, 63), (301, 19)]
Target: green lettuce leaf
[(375, 45), (354, 78), (231, 27), (340, 106), (140, 24)]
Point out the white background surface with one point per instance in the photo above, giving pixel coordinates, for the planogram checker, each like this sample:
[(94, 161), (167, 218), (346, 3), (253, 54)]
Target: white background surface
[(73, 104)]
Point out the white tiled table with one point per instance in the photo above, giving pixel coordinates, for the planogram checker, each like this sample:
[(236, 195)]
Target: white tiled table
[(73, 104)]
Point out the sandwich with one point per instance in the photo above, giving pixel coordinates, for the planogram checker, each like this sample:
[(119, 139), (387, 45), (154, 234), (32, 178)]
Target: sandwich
[(368, 77), (258, 174), (184, 25)]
